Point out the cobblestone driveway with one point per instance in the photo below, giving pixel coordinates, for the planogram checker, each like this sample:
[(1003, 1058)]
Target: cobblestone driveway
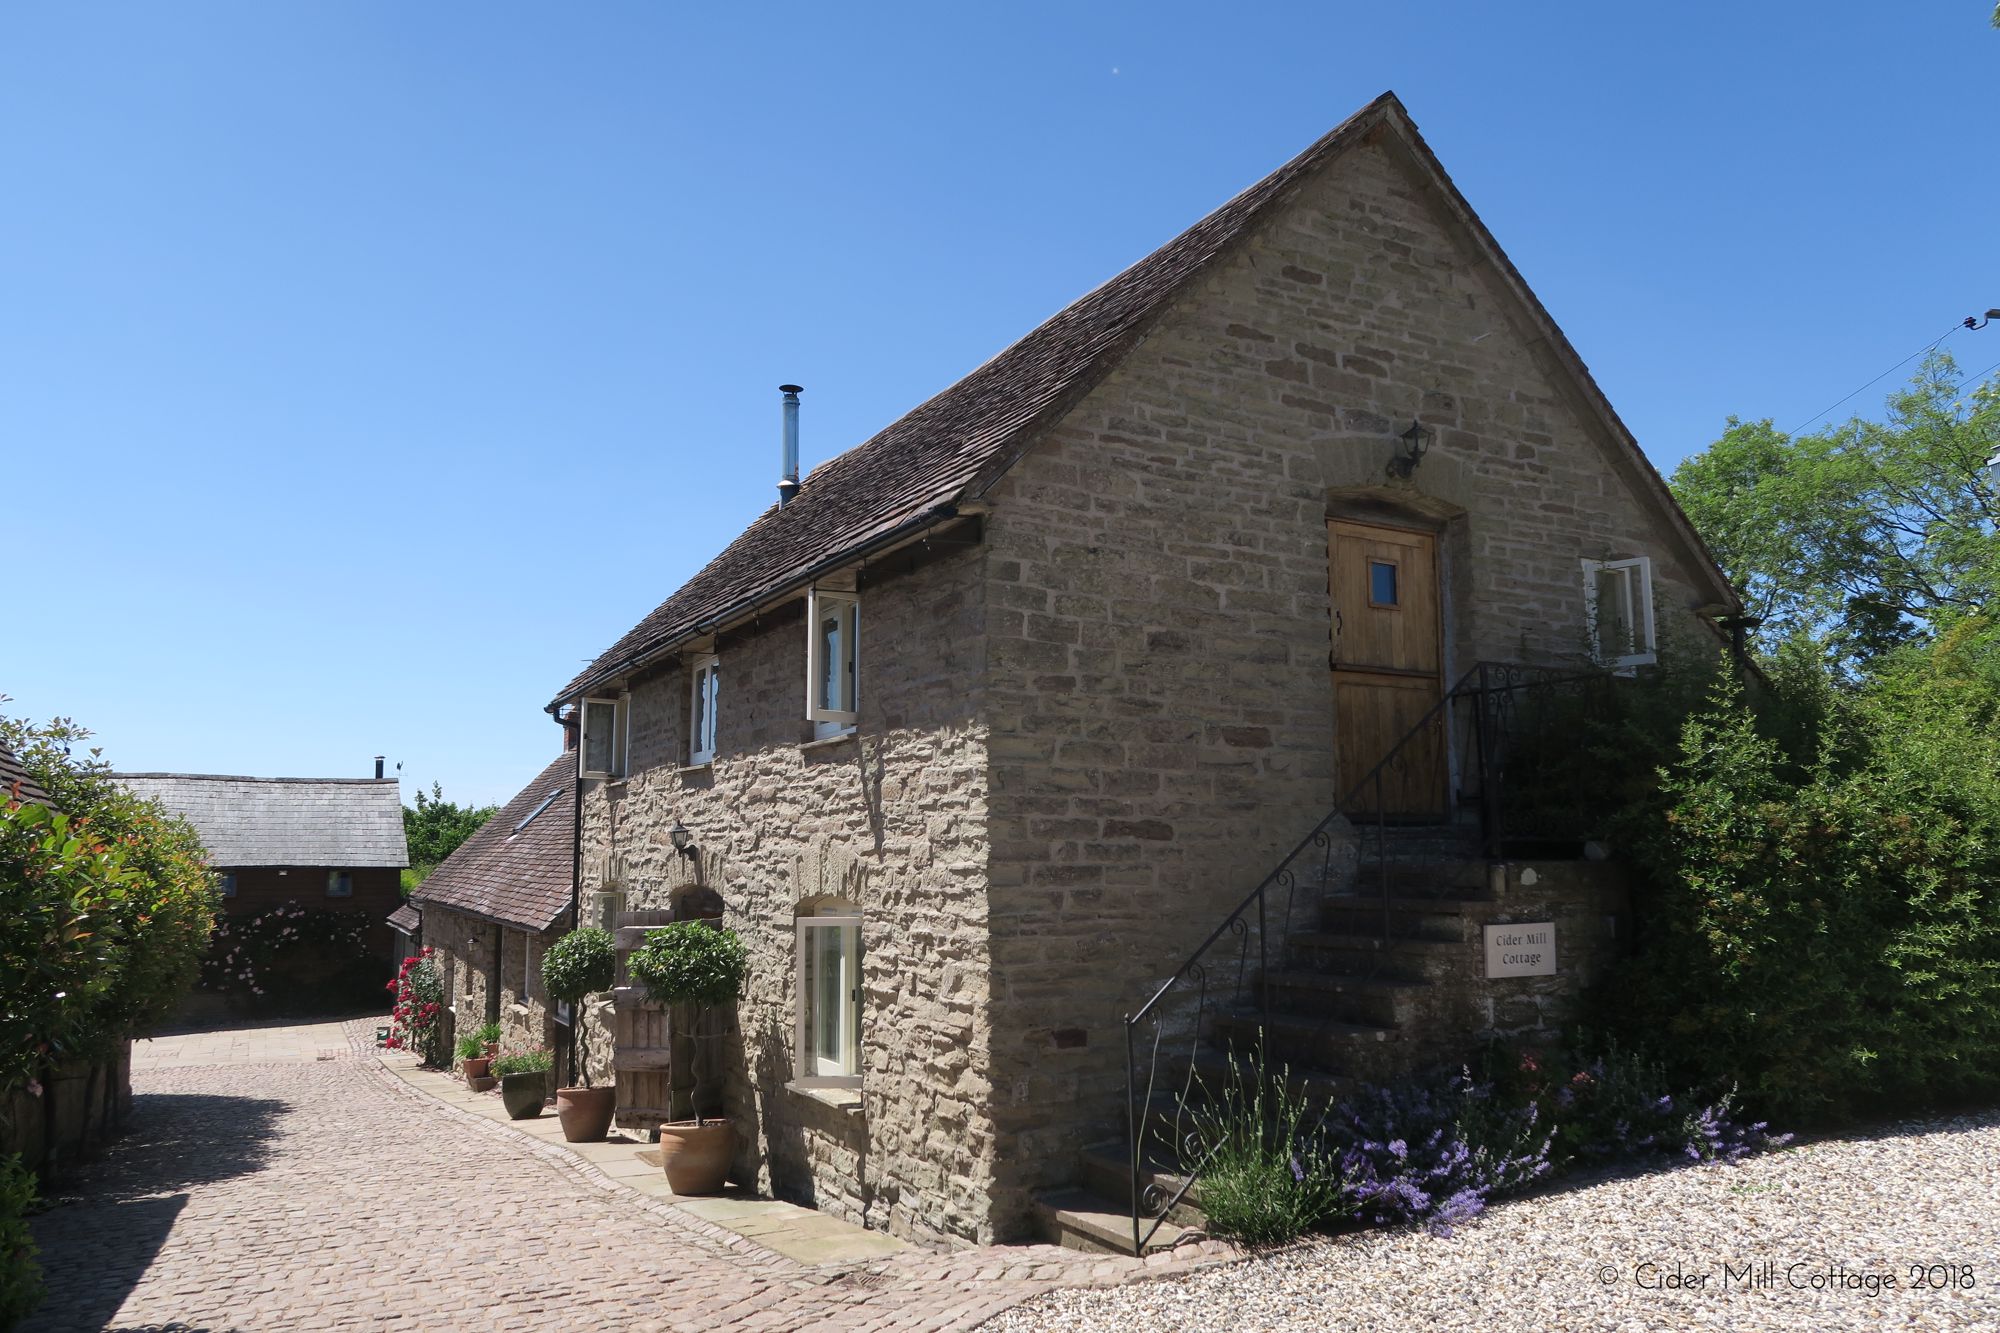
[(302, 1187)]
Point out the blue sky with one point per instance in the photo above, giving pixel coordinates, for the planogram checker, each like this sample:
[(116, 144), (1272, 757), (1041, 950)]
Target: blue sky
[(365, 367)]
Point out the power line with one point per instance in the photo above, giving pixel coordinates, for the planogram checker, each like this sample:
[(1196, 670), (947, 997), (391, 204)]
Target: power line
[(1879, 378)]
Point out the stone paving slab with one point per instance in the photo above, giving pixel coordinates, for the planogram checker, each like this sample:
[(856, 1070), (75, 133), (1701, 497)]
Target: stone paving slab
[(299, 1193), (797, 1233)]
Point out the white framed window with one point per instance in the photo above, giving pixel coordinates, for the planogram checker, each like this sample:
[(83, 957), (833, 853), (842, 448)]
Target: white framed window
[(704, 694), (229, 884), (1618, 610), (833, 658), (606, 737), (829, 1000), (339, 884)]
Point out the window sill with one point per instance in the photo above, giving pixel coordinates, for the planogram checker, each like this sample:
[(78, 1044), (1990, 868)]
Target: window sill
[(696, 766), (840, 1099), (829, 742)]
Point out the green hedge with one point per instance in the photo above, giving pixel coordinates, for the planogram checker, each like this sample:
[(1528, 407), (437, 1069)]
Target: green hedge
[(1823, 919)]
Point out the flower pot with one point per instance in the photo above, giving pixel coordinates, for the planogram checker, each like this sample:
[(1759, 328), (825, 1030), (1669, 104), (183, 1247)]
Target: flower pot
[(523, 1094), (586, 1113), (696, 1155), (492, 1049), (475, 1068), (483, 1084)]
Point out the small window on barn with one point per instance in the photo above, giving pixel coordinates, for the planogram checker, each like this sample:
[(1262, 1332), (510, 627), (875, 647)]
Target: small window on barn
[(833, 659), (704, 696), (229, 884), (606, 729), (339, 884), (1618, 611), (829, 998)]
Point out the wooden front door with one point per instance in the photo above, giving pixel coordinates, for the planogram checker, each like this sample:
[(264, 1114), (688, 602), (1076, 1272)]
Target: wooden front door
[(1387, 667)]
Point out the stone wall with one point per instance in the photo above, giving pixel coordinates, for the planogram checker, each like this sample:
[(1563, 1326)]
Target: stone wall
[(472, 970), (1159, 692), (891, 819)]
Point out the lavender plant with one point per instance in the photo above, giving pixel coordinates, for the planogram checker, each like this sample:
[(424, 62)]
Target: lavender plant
[(1265, 1173)]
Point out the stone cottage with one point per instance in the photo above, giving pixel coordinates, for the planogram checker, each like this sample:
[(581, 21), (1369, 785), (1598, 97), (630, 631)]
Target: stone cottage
[(985, 726), (492, 908)]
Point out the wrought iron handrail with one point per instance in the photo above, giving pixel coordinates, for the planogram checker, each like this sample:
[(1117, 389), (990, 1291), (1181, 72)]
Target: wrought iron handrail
[(1485, 683)]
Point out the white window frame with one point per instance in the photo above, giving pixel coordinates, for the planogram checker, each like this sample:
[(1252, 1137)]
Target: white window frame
[(810, 1068), (700, 712), (619, 741), (819, 604), (334, 877), (1636, 584)]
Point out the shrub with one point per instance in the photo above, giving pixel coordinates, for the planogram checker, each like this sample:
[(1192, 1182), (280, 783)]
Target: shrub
[(106, 904), (690, 962), (20, 1275), (580, 964), (417, 1020), (536, 1061), (1265, 1176), (1435, 1149), (1828, 932)]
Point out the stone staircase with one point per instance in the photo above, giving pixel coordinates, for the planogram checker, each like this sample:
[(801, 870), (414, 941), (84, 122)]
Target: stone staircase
[(1352, 994)]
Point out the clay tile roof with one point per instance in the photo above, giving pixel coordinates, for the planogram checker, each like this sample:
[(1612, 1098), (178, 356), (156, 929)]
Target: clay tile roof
[(511, 871), (407, 919), (342, 822), (11, 773), (959, 442)]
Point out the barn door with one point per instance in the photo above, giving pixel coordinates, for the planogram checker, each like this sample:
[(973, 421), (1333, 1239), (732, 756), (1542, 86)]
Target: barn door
[(1387, 666)]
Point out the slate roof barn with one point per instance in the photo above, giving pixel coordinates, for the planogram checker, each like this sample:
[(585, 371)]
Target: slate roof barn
[(350, 822), (517, 868)]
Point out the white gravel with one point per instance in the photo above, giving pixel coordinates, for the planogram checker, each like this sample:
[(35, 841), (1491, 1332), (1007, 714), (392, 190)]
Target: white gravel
[(1918, 1203)]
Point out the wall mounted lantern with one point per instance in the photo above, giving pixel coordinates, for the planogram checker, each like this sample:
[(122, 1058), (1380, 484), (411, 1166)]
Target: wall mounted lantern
[(683, 840), (1416, 442)]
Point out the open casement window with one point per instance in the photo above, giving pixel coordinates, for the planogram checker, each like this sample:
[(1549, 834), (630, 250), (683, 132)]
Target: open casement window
[(833, 655), (605, 726), (829, 1002), (704, 693), (1618, 608)]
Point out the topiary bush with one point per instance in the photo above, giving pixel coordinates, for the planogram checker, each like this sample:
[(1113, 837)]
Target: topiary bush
[(580, 964), (691, 962)]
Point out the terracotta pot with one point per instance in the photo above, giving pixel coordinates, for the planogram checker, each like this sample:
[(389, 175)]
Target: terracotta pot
[(696, 1155), (523, 1094), (586, 1113), (475, 1069), (492, 1049)]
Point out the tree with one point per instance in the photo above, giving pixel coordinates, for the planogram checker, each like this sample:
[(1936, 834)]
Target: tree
[(434, 828), (1862, 536)]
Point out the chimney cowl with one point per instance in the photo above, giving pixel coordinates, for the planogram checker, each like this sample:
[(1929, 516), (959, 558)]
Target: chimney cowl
[(788, 477)]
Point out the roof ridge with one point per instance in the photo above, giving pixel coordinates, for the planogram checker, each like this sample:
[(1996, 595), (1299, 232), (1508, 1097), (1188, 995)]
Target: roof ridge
[(240, 777), (958, 441)]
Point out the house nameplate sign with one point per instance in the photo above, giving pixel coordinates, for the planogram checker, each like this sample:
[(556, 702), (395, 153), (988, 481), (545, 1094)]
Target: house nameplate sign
[(1521, 949)]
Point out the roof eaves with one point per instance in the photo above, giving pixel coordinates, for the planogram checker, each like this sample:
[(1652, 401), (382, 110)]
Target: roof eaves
[(780, 590)]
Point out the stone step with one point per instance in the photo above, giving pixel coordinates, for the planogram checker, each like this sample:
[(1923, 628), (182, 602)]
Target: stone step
[(1364, 954), (1107, 1173), (1404, 915), (1351, 1049), (1391, 1002), (1077, 1219)]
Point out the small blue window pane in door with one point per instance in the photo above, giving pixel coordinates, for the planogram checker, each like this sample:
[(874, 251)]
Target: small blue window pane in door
[(1381, 583)]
